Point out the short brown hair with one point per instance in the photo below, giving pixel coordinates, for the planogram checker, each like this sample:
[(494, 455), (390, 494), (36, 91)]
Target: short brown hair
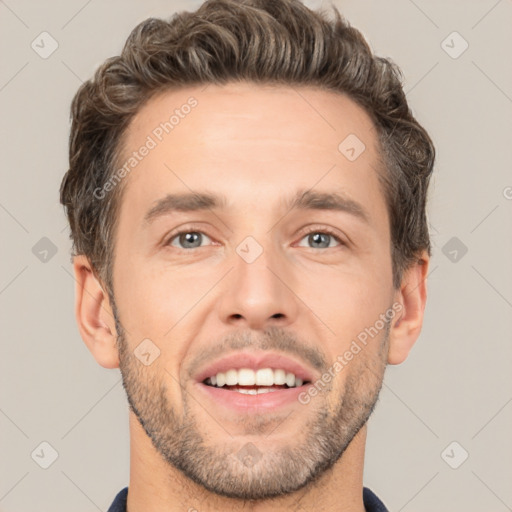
[(261, 41)]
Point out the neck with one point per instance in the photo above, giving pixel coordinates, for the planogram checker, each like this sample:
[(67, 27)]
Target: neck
[(157, 486)]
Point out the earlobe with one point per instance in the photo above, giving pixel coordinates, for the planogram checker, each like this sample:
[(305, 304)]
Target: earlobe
[(412, 297), (94, 314)]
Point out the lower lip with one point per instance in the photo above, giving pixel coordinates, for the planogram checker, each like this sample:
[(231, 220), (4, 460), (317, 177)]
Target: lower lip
[(252, 403)]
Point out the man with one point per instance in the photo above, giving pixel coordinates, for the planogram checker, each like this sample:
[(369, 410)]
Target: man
[(246, 196)]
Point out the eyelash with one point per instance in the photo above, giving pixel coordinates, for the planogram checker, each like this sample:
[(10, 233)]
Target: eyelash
[(191, 229), (323, 231)]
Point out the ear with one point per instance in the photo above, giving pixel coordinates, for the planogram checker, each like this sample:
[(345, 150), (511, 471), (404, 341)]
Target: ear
[(412, 296), (94, 314)]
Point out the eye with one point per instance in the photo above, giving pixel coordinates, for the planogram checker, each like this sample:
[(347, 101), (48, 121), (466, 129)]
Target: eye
[(321, 239), (187, 239), (191, 239)]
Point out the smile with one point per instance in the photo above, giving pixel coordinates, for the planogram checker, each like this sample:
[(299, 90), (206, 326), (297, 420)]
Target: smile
[(251, 382)]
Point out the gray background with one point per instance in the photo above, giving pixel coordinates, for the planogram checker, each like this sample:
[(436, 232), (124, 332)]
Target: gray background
[(456, 384)]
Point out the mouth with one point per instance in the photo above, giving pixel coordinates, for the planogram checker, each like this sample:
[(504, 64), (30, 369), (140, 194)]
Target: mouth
[(249, 382), (254, 382)]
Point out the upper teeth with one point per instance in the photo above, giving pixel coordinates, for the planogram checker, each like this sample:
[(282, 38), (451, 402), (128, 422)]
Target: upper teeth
[(248, 377)]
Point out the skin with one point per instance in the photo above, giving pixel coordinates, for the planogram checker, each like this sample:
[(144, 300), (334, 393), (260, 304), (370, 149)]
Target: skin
[(256, 145)]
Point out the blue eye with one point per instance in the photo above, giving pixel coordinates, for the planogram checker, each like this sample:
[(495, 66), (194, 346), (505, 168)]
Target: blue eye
[(188, 239), (322, 238)]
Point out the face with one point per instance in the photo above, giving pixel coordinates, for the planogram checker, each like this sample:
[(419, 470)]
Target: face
[(248, 242)]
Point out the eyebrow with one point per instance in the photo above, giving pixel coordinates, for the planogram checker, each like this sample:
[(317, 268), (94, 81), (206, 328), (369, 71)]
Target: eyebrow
[(301, 200), (311, 200), (188, 202)]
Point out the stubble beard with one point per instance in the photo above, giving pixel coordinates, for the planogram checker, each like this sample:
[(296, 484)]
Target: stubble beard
[(241, 469)]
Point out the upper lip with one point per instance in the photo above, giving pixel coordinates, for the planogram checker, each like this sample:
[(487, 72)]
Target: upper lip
[(255, 361)]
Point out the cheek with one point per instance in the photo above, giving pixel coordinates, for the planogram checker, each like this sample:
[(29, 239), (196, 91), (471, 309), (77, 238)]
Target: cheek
[(158, 300), (345, 301), (351, 305), (149, 300)]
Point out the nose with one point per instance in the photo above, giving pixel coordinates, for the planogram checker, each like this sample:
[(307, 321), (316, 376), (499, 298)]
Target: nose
[(259, 294)]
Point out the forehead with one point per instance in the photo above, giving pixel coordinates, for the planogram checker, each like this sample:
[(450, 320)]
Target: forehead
[(251, 140), (252, 113)]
